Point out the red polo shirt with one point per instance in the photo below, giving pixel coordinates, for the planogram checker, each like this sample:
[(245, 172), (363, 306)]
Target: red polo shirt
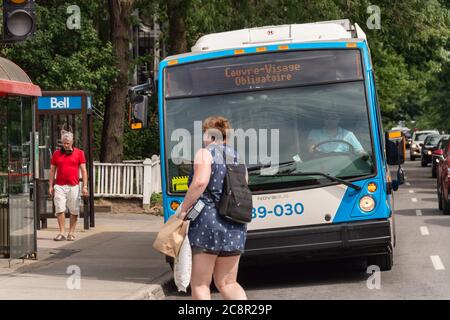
[(67, 167)]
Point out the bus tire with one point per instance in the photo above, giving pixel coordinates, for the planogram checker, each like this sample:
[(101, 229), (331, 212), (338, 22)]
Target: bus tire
[(433, 171), (383, 261)]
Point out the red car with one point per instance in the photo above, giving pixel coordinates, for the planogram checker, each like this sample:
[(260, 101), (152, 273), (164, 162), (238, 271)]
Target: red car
[(437, 154), (443, 178)]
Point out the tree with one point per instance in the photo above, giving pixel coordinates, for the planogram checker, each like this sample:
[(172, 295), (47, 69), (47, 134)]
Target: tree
[(57, 58), (410, 53), (177, 11), (113, 127)]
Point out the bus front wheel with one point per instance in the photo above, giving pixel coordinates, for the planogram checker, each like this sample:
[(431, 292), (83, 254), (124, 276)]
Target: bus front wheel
[(383, 261)]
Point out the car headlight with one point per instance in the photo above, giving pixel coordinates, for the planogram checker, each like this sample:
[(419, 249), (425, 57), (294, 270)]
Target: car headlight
[(367, 203), (429, 153)]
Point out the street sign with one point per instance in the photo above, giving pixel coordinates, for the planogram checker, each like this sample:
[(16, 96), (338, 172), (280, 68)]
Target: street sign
[(60, 103)]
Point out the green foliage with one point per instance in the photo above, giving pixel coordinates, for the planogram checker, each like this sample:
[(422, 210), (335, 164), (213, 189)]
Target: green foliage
[(141, 144), (156, 199), (410, 52), (63, 59), (57, 58)]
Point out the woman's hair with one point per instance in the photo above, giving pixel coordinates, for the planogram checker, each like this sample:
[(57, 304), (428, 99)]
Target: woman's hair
[(218, 123)]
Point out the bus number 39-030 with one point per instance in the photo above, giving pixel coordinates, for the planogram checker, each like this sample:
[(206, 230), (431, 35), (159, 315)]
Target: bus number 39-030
[(278, 210)]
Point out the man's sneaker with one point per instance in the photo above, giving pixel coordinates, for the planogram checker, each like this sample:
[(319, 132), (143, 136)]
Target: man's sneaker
[(60, 237), (70, 237)]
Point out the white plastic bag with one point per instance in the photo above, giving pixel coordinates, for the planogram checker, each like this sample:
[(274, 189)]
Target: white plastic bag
[(183, 266)]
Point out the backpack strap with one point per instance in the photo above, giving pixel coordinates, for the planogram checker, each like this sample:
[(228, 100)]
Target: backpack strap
[(224, 157)]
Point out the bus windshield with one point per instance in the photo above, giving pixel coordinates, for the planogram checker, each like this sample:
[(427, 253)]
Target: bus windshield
[(321, 127)]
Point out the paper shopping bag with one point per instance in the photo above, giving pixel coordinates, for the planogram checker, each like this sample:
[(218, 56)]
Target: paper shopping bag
[(171, 236)]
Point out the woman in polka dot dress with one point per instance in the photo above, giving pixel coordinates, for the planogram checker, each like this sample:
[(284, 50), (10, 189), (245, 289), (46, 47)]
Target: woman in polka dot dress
[(217, 243)]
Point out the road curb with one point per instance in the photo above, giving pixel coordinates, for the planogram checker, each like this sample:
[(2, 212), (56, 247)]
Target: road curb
[(154, 291)]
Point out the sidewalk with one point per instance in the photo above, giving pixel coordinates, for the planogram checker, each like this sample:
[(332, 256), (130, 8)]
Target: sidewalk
[(116, 261)]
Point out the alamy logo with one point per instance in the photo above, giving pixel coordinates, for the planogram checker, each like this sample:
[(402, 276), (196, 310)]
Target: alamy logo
[(374, 281), (374, 20), (74, 280), (253, 140), (74, 20)]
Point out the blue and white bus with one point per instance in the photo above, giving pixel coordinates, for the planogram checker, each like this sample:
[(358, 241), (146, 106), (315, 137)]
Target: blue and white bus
[(332, 194)]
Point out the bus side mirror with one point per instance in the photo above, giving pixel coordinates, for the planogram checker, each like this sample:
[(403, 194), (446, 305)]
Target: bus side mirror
[(392, 154), (139, 112), (395, 147)]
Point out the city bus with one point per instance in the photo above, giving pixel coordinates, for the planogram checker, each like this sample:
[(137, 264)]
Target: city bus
[(330, 194)]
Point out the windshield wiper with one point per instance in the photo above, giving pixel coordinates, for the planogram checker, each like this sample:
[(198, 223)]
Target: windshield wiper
[(263, 166), (347, 183)]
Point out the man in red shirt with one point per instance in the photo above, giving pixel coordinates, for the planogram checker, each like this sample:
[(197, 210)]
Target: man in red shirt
[(67, 162)]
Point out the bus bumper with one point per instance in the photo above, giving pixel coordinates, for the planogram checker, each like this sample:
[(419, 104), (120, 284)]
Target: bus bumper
[(341, 240)]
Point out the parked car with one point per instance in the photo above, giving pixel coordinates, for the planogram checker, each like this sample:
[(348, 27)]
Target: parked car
[(438, 153), (443, 179), (417, 141), (429, 145)]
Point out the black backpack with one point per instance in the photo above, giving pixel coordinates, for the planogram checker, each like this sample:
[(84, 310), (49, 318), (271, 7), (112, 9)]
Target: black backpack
[(236, 200)]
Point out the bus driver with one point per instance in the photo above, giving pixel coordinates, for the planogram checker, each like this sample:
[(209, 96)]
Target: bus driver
[(339, 138)]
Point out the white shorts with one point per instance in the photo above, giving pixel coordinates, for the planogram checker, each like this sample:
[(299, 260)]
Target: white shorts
[(67, 197)]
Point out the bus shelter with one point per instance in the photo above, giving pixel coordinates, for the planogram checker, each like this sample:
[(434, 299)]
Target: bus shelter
[(18, 157), (70, 111)]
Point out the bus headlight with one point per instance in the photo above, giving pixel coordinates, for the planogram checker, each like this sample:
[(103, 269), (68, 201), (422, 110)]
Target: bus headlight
[(367, 203)]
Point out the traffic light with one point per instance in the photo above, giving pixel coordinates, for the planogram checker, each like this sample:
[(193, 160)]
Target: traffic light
[(139, 112), (19, 19)]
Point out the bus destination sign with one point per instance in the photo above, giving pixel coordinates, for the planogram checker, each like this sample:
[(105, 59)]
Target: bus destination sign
[(269, 72), (263, 71)]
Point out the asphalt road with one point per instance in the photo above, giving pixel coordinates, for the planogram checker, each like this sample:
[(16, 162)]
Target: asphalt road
[(421, 258)]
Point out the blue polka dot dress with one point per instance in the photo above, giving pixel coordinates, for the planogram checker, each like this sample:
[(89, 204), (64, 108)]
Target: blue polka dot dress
[(210, 231)]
